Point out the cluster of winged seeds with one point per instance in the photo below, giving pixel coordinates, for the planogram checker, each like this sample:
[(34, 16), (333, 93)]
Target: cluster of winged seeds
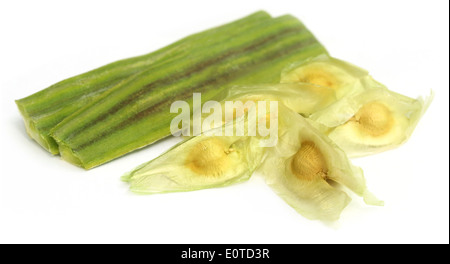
[(328, 110)]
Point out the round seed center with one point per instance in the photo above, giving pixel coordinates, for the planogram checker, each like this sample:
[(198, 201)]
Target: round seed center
[(374, 119), (319, 78), (209, 157), (309, 163)]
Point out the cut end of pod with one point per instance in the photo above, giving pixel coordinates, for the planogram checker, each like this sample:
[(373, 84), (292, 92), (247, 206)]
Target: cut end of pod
[(47, 142), (68, 155)]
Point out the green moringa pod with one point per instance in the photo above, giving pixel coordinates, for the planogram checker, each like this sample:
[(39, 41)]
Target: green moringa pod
[(199, 162), (43, 110), (306, 169), (373, 120), (137, 112)]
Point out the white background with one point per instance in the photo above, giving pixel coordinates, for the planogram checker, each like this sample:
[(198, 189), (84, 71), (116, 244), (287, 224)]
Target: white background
[(404, 44)]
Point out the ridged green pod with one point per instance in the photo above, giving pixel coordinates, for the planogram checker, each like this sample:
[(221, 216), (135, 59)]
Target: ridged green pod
[(45, 109), (136, 113)]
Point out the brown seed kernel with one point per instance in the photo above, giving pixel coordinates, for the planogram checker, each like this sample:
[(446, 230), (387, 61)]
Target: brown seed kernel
[(318, 79), (317, 76), (309, 163), (209, 157), (374, 119)]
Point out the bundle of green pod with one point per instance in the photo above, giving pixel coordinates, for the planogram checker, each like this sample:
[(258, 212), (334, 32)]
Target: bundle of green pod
[(103, 114)]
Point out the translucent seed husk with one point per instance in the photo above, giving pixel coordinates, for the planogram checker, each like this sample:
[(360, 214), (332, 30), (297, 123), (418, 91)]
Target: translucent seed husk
[(308, 171)]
